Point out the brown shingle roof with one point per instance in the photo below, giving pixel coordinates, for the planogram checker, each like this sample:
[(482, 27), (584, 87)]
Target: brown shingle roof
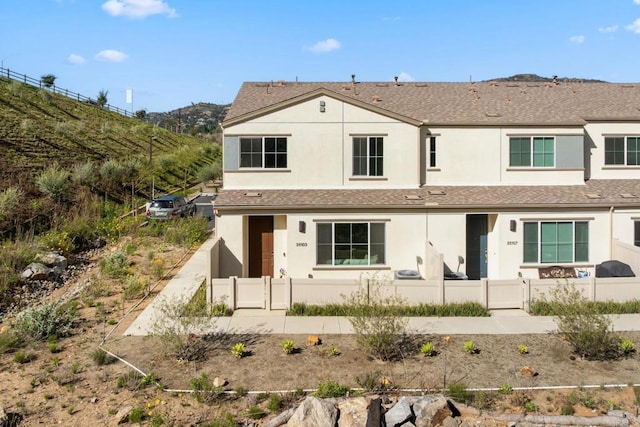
[(484, 103), (595, 193)]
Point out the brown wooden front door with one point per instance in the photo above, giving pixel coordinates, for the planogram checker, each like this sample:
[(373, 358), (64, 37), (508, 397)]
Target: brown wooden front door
[(260, 246)]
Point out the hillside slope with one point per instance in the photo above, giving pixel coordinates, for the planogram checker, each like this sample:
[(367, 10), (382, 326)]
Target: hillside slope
[(40, 128)]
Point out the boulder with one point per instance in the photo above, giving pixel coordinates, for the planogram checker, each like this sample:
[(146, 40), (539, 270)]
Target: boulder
[(314, 412), (52, 259), (122, 416), (360, 412), (431, 410), (401, 412), (36, 271)]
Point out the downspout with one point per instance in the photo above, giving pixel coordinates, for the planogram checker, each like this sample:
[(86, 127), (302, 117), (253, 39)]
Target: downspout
[(611, 232)]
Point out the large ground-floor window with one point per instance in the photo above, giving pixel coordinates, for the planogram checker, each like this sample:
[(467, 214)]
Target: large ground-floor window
[(636, 233), (350, 243), (556, 241)]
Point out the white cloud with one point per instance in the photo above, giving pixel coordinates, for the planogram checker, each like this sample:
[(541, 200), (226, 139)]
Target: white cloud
[(138, 8), (110, 55), (405, 77), (75, 59), (636, 1), (635, 27), (325, 46), (577, 39), (609, 29)]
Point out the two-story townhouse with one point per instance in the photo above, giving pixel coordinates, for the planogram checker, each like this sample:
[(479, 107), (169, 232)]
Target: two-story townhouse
[(333, 180)]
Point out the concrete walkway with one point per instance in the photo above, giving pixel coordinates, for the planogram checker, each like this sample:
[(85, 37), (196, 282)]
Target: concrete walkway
[(185, 283)]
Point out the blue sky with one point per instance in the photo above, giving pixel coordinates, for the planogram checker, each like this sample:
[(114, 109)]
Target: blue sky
[(172, 53)]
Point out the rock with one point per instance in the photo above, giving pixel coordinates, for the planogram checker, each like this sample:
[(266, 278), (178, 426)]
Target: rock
[(314, 412), (401, 412), (447, 339), (52, 259), (449, 422), (360, 412), (431, 410), (281, 419), (385, 382), (527, 371), (219, 382), (123, 415), (36, 271), (313, 340)]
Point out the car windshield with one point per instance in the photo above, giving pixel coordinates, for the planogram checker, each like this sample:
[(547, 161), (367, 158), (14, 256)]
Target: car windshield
[(162, 204)]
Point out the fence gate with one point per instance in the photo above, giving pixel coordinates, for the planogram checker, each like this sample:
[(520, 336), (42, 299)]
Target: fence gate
[(251, 293), (505, 294)]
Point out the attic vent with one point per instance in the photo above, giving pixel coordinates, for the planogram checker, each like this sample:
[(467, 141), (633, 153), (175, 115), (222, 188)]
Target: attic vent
[(513, 85), (382, 85), (375, 99), (253, 194), (593, 196), (627, 86), (493, 114), (412, 197), (262, 84), (494, 84), (345, 87), (421, 85), (436, 193), (533, 85), (281, 83), (628, 196)]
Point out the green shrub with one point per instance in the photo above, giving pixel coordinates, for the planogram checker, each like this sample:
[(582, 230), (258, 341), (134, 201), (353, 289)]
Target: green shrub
[(505, 389), (378, 330), (255, 412), (470, 347), (370, 381), (40, 323), (467, 309), (590, 333), (238, 350), (54, 182), (627, 346), (288, 346), (275, 402), (428, 349), (137, 415), (459, 393), (115, 264), (57, 241), (209, 172), (101, 357), (23, 357), (331, 389), (10, 341), (9, 200), (130, 380), (203, 390)]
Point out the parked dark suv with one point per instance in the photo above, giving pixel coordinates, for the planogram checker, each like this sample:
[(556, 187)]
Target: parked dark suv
[(167, 207)]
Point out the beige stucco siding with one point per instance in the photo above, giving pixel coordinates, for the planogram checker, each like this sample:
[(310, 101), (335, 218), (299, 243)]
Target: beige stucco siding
[(596, 134), (320, 148)]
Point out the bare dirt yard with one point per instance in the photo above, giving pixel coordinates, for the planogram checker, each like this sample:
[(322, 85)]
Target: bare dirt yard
[(65, 385)]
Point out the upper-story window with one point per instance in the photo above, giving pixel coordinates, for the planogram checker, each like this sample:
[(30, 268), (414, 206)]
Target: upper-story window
[(528, 151), (622, 150), (556, 241), (263, 152), (368, 156), (636, 233), (432, 151)]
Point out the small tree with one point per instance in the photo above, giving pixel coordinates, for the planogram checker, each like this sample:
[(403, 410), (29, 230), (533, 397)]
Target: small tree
[(589, 332), (48, 80), (102, 98), (210, 172), (378, 327)]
